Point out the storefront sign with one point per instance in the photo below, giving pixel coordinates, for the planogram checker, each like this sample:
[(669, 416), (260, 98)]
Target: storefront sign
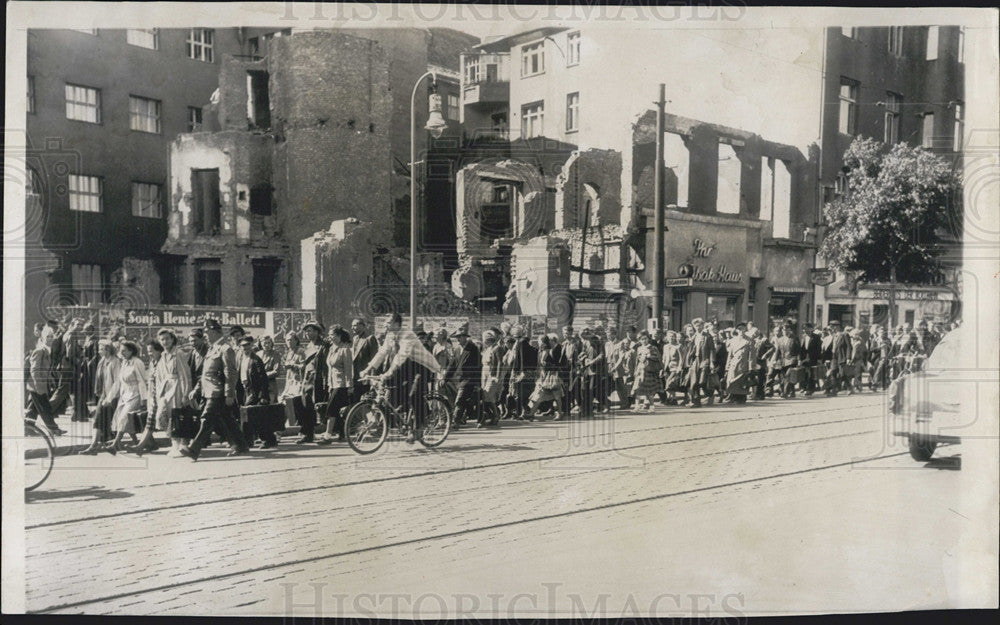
[(674, 282), (822, 277), (903, 295), (715, 274), (195, 317), (791, 290)]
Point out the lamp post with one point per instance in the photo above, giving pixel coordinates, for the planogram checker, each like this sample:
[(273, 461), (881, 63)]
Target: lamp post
[(436, 125)]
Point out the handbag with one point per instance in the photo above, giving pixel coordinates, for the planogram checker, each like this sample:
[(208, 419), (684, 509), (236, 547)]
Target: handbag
[(139, 418)]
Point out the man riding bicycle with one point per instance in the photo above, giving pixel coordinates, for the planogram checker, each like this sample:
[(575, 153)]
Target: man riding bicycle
[(408, 372)]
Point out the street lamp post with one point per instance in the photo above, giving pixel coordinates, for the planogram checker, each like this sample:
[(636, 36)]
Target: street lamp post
[(436, 126)]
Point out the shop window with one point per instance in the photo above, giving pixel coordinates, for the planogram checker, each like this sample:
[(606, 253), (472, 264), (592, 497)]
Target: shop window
[(721, 310), (909, 316), (677, 159), (208, 282), (265, 282), (728, 181), (207, 210), (258, 102)]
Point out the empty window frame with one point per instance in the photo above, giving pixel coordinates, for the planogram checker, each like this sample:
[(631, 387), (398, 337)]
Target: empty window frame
[(200, 42), (893, 107), (143, 37), (848, 120)]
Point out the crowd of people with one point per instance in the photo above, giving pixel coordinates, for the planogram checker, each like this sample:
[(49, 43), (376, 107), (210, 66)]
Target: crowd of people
[(205, 387)]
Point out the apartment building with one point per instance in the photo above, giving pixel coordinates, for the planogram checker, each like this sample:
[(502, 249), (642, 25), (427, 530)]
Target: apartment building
[(898, 84)]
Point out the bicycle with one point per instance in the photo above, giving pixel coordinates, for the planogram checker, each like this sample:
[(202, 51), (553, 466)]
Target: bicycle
[(368, 422), (38, 462)]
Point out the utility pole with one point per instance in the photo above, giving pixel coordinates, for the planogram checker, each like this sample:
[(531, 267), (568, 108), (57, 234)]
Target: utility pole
[(658, 207)]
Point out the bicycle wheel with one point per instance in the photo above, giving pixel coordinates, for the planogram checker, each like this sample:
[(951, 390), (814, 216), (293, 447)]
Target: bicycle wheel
[(366, 427), (37, 462), (437, 423)]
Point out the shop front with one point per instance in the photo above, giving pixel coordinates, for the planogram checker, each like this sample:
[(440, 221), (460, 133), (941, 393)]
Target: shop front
[(786, 284), (870, 304), (708, 265)]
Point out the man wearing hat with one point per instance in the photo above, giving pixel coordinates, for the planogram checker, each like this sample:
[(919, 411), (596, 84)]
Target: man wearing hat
[(466, 371), (492, 359), (253, 390), (524, 369), (219, 379), (569, 356), (364, 346), (314, 375), (811, 350)]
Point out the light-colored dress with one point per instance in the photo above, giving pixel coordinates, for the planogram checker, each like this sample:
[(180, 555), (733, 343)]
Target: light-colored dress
[(739, 365), (293, 373), (131, 389), (173, 384)]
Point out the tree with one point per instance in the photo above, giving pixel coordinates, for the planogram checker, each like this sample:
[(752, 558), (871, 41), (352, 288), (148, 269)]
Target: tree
[(899, 206)]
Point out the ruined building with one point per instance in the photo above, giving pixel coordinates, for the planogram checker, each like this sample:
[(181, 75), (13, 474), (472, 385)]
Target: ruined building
[(312, 130)]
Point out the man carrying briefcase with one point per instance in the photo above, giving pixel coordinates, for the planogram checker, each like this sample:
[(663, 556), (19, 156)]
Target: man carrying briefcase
[(257, 415)]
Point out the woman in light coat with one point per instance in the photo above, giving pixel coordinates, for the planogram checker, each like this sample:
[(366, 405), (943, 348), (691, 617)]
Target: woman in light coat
[(104, 382), (131, 390), (739, 366), (171, 384)]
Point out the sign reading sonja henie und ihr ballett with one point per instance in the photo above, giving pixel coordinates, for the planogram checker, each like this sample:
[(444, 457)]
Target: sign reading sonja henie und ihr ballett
[(195, 317)]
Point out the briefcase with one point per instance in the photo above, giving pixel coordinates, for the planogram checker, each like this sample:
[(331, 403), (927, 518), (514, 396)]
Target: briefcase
[(264, 418), (184, 422)]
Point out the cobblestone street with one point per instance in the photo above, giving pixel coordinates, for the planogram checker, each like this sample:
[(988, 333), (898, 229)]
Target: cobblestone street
[(668, 504)]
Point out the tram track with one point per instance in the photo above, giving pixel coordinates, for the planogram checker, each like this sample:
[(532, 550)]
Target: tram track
[(466, 468), (278, 567)]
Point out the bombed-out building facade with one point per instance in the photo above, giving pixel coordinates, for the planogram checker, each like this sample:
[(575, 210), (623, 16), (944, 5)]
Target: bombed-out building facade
[(308, 154)]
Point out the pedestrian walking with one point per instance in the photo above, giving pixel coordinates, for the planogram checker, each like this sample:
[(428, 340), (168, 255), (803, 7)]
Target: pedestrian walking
[(340, 379), (218, 388), (131, 389)]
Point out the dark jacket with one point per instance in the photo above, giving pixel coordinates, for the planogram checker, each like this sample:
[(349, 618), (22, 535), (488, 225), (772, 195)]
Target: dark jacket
[(252, 389), (314, 373), (812, 349), (363, 350), (467, 367)]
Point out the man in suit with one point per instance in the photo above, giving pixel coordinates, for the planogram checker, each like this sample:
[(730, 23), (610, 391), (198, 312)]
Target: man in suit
[(219, 380), (840, 356), (524, 370), (701, 360), (569, 355), (364, 346), (466, 371), (40, 382), (811, 351), (253, 390), (786, 357), (81, 353)]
